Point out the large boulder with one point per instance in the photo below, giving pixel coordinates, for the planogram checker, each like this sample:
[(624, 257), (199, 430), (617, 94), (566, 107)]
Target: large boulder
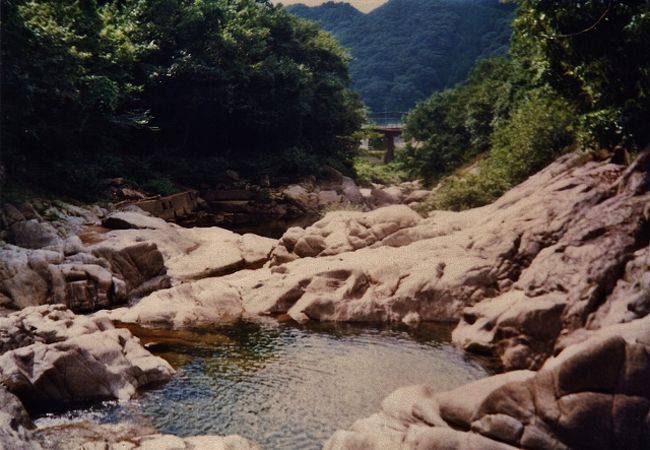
[(593, 395), (189, 305), (343, 231), (29, 277), (145, 248), (82, 281), (571, 283), (301, 198), (52, 355)]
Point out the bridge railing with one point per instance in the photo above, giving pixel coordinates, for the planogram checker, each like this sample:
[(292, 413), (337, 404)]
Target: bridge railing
[(387, 118)]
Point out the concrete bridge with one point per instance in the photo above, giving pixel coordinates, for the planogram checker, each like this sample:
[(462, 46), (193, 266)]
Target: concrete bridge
[(391, 125)]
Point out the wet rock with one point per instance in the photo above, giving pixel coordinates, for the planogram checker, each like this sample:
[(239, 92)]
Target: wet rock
[(34, 235)]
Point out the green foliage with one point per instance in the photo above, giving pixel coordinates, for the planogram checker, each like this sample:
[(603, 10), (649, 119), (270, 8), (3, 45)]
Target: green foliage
[(407, 49), (368, 172), (455, 125), (221, 81), (538, 131), (596, 53), (468, 191), (161, 186), (578, 75), (540, 128)]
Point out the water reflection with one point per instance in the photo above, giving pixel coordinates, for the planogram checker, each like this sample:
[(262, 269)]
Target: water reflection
[(286, 385)]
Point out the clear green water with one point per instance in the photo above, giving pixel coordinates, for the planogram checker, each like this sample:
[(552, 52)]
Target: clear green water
[(286, 386)]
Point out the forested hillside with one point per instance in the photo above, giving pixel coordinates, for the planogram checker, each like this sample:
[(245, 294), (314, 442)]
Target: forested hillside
[(407, 49), (576, 78), (168, 91)]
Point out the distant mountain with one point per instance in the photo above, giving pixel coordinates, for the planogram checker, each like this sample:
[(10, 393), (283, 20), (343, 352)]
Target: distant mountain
[(406, 49)]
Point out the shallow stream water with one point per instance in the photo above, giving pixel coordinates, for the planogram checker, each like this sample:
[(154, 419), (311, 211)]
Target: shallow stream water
[(283, 385)]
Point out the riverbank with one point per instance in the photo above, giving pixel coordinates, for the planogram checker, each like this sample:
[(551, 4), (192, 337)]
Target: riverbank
[(552, 279)]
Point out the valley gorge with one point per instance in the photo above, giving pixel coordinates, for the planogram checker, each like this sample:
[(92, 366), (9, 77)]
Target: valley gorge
[(551, 282)]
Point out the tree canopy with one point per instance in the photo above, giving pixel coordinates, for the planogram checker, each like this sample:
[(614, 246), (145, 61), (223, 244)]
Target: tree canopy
[(578, 76), (94, 88)]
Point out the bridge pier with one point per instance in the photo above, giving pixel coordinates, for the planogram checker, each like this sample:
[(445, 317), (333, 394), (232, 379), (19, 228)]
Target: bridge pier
[(390, 133), (389, 140)]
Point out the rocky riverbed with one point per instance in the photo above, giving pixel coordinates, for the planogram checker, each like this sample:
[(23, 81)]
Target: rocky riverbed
[(552, 280)]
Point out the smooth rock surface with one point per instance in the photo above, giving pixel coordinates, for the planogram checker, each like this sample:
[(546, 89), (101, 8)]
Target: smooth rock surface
[(544, 255), (186, 253), (343, 231)]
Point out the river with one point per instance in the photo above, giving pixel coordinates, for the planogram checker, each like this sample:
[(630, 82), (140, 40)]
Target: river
[(283, 385)]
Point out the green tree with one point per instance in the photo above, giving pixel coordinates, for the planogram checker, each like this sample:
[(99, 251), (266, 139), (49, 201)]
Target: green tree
[(596, 53), (153, 89)]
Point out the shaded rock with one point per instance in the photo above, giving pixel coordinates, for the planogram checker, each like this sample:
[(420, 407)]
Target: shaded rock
[(11, 215), (30, 277), (135, 264), (15, 424), (328, 198), (34, 235), (458, 407), (69, 362), (351, 191), (385, 196), (630, 298), (171, 207), (124, 220), (299, 197)]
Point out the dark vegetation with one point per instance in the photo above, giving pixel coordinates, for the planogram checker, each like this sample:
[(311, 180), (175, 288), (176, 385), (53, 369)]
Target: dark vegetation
[(406, 49), (578, 76), (169, 93), (166, 92)]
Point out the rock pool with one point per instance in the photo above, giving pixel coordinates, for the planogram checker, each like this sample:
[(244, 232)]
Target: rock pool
[(283, 385)]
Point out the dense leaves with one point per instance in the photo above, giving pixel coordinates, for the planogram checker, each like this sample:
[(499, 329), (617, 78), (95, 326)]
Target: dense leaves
[(407, 49), (94, 89), (578, 74), (596, 53), (455, 125)]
